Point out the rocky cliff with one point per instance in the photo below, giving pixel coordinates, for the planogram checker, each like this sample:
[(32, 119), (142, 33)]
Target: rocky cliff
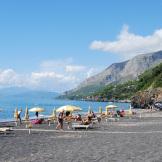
[(116, 73), (124, 71)]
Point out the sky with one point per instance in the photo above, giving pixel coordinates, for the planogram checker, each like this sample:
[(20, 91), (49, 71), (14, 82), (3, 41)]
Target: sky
[(54, 45)]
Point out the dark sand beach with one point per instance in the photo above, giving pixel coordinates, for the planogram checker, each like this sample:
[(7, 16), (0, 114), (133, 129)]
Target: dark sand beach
[(128, 140)]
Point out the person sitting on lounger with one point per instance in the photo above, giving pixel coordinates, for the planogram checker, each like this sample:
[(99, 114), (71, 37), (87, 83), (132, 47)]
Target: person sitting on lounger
[(87, 121), (93, 115), (78, 118), (37, 121)]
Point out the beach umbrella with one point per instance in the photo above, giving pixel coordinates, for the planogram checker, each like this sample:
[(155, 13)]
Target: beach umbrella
[(100, 110), (89, 110), (70, 108), (111, 107), (16, 114), (130, 110), (54, 113), (37, 109), (26, 114)]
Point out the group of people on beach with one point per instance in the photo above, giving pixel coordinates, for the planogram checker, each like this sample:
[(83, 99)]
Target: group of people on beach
[(78, 118), (67, 116), (19, 115)]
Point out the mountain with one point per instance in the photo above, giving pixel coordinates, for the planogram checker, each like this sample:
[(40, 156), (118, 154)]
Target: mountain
[(19, 92), (118, 73)]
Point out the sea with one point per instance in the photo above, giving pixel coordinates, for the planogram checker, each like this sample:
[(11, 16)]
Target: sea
[(9, 104)]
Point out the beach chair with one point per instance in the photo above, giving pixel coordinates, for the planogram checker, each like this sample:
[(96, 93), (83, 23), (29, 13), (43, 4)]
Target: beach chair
[(5, 130), (37, 121), (81, 126), (51, 119), (112, 118)]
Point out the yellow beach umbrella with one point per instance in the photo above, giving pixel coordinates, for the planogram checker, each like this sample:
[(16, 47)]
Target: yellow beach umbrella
[(26, 114), (37, 109), (70, 108), (16, 114), (111, 107)]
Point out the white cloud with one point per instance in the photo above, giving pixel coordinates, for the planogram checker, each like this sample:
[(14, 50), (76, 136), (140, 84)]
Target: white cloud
[(53, 75), (52, 81), (129, 44), (43, 75), (55, 65), (8, 77), (74, 68)]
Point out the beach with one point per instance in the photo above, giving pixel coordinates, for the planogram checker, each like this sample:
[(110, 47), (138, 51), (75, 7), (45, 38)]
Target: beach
[(132, 139)]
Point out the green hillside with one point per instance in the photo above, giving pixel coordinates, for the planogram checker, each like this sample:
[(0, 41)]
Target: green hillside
[(150, 79), (81, 93)]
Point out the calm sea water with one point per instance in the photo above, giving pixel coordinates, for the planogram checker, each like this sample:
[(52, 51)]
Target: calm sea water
[(9, 104)]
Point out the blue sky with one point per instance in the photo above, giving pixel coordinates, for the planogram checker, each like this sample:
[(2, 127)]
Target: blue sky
[(56, 44)]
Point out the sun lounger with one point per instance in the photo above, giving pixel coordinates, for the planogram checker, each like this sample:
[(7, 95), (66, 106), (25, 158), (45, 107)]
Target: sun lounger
[(5, 130), (78, 125), (111, 119)]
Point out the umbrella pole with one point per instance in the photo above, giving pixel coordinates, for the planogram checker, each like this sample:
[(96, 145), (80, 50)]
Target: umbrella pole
[(29, 126), (29, 130)]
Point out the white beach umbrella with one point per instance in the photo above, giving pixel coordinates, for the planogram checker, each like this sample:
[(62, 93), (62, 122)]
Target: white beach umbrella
[(110, 107)]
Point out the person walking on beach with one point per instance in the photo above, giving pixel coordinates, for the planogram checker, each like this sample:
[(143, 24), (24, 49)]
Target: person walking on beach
[(19, 116), (60, 120)]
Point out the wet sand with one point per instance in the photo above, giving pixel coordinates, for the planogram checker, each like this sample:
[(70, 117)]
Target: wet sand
[(128, 140)]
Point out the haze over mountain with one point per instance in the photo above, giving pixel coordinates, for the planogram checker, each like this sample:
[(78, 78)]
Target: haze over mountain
[(21, 92), (120, 72)]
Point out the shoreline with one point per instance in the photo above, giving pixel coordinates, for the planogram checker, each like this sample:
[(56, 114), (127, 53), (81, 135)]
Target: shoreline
[(136, 110)]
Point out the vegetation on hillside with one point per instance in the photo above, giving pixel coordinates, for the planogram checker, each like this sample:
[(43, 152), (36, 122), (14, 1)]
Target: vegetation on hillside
[(81, 93), (150, 79)]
